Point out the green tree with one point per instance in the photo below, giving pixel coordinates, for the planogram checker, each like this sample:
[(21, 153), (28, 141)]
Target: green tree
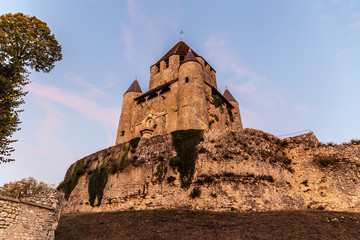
[(24, 187), (25, 43)]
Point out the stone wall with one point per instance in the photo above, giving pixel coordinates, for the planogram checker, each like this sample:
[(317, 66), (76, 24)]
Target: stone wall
[(31, 217), (247, 170)]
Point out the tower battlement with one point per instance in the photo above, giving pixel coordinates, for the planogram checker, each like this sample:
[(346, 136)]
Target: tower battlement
[(182, 95)]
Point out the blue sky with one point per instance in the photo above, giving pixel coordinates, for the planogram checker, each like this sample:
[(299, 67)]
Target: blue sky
[(291, 65)]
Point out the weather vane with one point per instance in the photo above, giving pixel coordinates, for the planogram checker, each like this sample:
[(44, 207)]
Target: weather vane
[(181, 32)]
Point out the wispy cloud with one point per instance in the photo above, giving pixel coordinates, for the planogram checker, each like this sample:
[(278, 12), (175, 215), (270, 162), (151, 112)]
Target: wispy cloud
[(128, 39), (87, 107), (138, 27), (90, 89)]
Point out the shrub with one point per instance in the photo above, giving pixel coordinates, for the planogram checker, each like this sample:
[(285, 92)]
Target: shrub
[(355, 141), (196, 192), (326, 160), (214, 195)]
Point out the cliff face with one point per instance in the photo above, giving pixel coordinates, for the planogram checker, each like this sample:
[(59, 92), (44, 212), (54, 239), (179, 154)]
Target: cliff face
[(248, 170)]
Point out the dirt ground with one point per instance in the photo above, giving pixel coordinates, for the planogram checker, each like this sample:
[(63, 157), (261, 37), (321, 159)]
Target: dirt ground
[(183, 224)]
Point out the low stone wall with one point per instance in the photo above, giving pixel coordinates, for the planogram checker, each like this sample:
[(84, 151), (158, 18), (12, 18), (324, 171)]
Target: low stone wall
[(32, 217)]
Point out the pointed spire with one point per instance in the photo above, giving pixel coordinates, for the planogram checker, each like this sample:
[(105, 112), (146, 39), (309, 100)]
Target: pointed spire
[(228, 95), (134, 87), (190, 56)]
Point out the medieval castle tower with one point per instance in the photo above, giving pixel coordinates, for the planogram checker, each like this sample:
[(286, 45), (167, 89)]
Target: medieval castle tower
[(182, 95)]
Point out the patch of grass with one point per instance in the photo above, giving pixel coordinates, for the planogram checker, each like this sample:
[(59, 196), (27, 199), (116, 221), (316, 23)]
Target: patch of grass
[(68, 185), (185, 142), (171, 179), (196, 192), (326, 160), (250, 175), (97, 184)]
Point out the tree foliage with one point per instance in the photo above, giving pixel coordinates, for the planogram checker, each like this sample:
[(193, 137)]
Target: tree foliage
[(24, 187), (25, 43)]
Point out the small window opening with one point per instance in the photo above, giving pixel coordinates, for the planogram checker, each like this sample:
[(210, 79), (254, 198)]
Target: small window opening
[(187, 79), (122, 133), (158, 67), (166, 63)]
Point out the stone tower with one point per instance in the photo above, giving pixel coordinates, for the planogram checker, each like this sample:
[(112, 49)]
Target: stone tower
[(182, 95)]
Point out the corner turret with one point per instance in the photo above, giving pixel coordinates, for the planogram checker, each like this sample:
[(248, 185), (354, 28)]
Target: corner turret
[(126, 122), (237, 123)]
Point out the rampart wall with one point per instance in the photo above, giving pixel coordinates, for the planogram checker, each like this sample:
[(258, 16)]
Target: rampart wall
[(247, 170)]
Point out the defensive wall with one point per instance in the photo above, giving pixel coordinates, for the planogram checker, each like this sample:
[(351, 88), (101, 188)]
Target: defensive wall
[(31, 217), (246, 170)]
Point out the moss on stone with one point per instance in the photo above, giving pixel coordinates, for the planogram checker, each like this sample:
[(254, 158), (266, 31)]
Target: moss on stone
[(68, 185), (185, 142), (97, 184)]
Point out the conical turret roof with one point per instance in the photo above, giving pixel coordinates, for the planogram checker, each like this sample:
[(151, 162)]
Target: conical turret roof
[(181, 49), (134, 87), (190, 57), (228, 95)]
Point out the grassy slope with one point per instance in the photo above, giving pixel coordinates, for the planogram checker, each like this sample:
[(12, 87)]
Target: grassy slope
[(183, 224)]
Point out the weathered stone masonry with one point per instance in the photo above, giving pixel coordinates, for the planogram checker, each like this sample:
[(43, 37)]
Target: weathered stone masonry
[(182, 94), (247, 170), (30, 218)]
